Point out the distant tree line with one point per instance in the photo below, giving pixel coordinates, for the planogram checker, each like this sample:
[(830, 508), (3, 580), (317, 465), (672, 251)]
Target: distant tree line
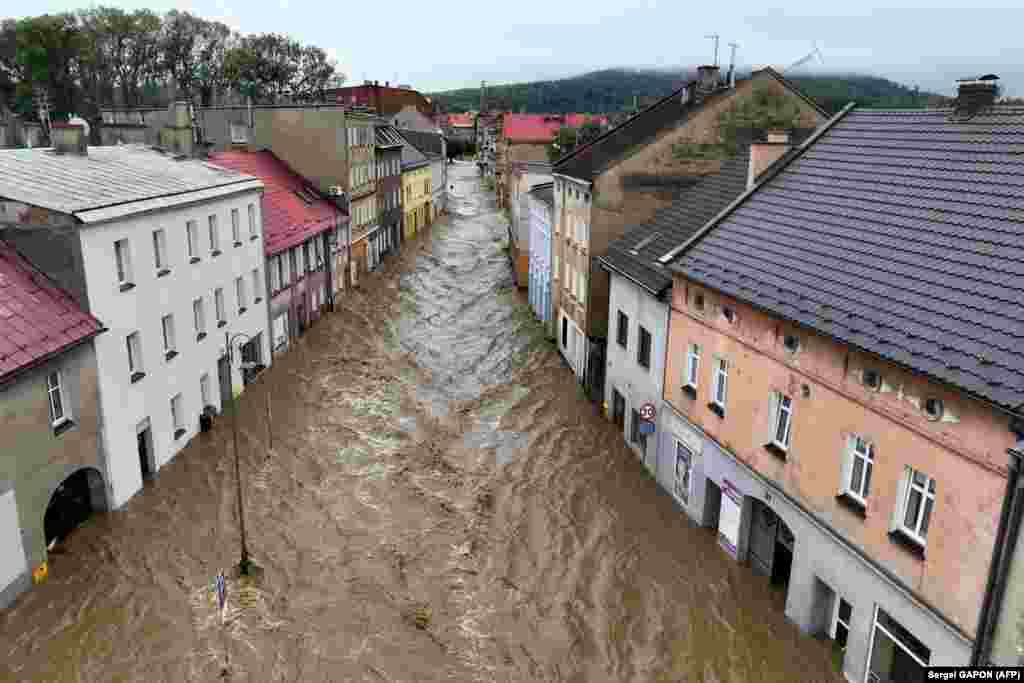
[(616, 90), (100, 56)]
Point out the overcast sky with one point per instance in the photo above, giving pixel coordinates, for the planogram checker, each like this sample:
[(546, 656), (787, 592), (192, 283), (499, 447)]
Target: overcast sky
[(458, 43)]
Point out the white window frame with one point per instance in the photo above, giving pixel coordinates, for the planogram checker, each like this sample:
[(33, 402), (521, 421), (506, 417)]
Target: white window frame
[(167, 328), (720, 391), (236, 228), (58, 389), (781, 406), (682, 496), (256, 286), (275, 274), (213, 233), (875, 626), (133, 342), (177, 408), (160, 249), (199, 316), (218, 304), (252, 221), (123, 261), (240, 294), (692, 366), (909, 487), (858, 449), (192, 238)]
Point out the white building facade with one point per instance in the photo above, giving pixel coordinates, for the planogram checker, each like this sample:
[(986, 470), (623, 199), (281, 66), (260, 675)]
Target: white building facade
[(163, 358), (540, 225), (439, 184)]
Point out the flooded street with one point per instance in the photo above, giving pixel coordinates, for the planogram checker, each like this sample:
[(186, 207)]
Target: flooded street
[(439, 503)]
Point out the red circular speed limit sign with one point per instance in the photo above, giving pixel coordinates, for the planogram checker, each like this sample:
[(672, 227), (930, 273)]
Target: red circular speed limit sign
[(647, 411)]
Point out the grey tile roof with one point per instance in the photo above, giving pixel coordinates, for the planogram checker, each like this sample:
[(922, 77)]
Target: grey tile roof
[(427, 143), (108, 176), (588, 161), (898, 232), (387, 136), (674, 224), (412, 157)]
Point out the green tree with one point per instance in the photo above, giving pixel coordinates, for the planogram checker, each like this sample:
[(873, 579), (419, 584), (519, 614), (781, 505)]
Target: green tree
[(47, 55)]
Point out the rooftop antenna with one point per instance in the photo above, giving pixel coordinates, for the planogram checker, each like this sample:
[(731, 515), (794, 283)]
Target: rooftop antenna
[(806, 58), (732, 65), (714, 37)]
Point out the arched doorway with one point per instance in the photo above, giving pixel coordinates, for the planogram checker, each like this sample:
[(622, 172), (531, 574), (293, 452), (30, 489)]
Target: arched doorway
[(72, 502)]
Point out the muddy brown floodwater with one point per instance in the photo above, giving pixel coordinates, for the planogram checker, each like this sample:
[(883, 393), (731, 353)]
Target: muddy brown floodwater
[(440, 504)]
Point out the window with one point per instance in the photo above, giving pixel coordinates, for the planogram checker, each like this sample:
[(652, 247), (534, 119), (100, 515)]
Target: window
[(236, 228), (307, 262), (781, 412), (134, 344), (240, 294), (218, 304), (160, 252), (124, 264), (896, 654), (622, 335), (698, 302), (318, 248), (55, 391), (583, 286), (204, 389), (729, 314), (167, 323), (293, 263), (643, 352), (278, 330), (177, 416), (692, 366), (257, 286), (275, 273), (721, 382), (252, 222), (857, 468), (933, 409), (791, 343), (918, 501), (192, 235), (214, 237), (842, 612), (199, 318), (681, 481)]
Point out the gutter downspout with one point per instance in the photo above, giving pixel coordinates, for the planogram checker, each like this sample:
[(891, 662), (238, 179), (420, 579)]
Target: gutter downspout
[(1002, 554)]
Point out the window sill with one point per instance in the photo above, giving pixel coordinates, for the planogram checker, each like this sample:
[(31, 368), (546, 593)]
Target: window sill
[(136, 376), (170, 355), (163, 271), (222, 323), (242, 310), (201, 336), (237, 244), (776, 450), (717, 410), (178, 433), (62, 427), (690, 391), (911, 545), (258, 300), (194, 260), (253, 237), (125, 286), (853, 505), (215, 253)]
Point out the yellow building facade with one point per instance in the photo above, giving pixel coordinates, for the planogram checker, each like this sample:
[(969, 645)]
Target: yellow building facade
[(415, 199)]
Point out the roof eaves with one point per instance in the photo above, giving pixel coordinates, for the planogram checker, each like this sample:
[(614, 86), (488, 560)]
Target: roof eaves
[(92, 216), (736, 203), (610, 266)]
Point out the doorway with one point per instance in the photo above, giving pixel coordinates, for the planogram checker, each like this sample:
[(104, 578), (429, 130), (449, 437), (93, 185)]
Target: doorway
[(224, 379), (619, 411), (144, 442), (73, 501)]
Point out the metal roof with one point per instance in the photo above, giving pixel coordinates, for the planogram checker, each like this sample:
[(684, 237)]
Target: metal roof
[(110, 182)]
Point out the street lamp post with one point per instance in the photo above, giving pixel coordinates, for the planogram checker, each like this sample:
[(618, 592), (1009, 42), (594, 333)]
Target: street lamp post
[(244, 564)]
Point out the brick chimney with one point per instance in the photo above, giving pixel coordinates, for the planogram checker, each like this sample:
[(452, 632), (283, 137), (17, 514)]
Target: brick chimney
[(68, 138), (707, 77), (975, 94), (764, 154)]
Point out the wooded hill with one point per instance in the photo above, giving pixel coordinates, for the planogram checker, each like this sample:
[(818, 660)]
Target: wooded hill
[(612, 90)]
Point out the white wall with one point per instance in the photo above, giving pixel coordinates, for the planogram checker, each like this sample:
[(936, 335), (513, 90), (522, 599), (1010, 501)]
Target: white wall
[(437, 184), (12, 553), (636, 384), (123, 403)]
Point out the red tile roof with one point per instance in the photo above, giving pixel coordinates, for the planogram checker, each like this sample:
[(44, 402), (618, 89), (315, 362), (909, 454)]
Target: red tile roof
[(542, 127), (37, 318), (460, 120), (288, 220)]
